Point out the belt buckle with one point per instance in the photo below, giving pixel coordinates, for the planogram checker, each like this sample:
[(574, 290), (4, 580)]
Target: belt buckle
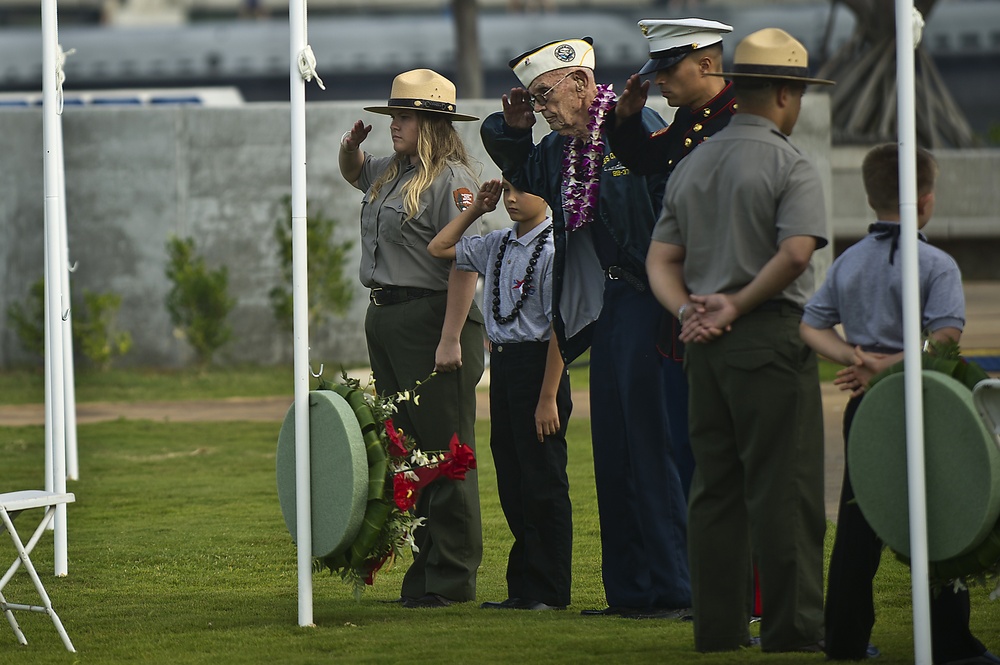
[(373, 296), (612, 272)]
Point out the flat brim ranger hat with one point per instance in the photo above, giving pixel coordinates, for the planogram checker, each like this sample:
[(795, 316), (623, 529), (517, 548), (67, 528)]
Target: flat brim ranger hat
[(771, 53), (422, 90)]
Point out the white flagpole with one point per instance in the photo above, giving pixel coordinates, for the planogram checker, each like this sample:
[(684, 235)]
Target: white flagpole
[(56, 305), (906, 107), (300, 307), (69, 373)]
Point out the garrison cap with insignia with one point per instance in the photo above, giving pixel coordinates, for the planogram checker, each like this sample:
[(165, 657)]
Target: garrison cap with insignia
[(670, 40), (555, 55)]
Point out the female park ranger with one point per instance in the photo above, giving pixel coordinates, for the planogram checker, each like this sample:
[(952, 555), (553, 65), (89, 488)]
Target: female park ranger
[(422, 317)]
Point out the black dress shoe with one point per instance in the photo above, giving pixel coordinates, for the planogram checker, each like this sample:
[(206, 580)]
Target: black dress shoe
[(985, 658), (508, 604), (428, 600), (536, 606), (679, 613), (871, 651), (607, 612)]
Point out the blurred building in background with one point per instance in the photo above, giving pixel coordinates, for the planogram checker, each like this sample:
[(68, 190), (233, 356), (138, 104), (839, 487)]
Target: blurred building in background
[(361, 44)]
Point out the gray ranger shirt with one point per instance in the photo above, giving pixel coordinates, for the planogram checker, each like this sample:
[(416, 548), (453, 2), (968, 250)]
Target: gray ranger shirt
[(393, 247), (772, 192)]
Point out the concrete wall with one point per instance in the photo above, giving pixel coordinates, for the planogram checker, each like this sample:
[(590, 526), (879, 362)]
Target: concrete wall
[(136, 176), (967, 198)]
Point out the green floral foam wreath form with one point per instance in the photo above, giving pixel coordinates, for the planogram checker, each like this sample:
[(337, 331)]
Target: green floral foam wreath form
[(378, 509), (986, 556)]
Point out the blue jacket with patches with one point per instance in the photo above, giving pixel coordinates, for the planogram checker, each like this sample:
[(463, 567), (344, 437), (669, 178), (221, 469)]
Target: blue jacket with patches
[(628, 208)]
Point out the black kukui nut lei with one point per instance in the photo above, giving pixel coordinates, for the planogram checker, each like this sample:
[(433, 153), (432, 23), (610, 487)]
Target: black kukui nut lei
[(529, 275)]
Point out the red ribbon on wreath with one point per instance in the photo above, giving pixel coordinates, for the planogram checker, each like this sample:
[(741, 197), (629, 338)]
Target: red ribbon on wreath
[(453, 465)]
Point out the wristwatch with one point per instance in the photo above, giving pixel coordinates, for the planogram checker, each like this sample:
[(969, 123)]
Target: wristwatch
[(680, 312), (343, 142)]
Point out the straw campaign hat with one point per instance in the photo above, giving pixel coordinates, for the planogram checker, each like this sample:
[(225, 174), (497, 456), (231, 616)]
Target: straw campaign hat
[(670, 40), (422, 90), (555, 55), (771, 53)]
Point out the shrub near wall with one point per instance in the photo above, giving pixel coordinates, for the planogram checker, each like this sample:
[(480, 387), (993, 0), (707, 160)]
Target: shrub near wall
[(199, 300)]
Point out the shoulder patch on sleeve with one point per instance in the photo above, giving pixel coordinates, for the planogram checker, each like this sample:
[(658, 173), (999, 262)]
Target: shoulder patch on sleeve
[(463, 198), (662, 130)]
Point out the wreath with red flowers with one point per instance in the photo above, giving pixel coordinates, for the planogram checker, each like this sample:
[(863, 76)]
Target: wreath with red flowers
[(397, 471)]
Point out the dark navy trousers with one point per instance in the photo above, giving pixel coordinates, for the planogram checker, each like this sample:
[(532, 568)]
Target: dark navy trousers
[(641, 502)]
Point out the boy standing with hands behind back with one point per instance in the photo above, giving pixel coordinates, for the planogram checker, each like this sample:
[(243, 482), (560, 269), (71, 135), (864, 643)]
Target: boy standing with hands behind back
[(863, 291), (529, 390)]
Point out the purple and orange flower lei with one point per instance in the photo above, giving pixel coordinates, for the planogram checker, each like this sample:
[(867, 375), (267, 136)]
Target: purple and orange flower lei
[(582, 162)]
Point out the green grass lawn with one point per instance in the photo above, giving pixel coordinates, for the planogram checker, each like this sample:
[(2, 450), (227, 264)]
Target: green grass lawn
[(178, 554), (132, 385)]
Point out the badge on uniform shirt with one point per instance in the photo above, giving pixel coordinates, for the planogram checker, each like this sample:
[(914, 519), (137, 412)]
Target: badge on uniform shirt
[(463, 198)]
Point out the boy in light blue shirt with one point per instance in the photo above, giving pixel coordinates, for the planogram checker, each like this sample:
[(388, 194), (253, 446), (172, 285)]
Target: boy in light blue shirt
[(529, 390), (863, 292)]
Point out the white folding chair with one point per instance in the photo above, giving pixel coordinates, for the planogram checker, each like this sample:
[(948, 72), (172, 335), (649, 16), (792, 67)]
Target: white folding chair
[(11, 505)]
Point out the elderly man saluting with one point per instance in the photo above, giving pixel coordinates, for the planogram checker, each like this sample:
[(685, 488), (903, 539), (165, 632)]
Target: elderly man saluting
[(730, 258), (602, 219)]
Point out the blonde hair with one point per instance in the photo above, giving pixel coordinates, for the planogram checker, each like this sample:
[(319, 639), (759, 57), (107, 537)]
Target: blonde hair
[(438, 144)]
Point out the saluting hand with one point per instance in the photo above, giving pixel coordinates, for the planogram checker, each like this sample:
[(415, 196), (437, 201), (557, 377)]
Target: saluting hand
[(488, 197), (518, 109), (357, 135), (632, 99)]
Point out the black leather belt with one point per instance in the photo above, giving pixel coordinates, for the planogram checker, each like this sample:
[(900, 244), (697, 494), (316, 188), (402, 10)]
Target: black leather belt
[(393, 295), (617, 272)]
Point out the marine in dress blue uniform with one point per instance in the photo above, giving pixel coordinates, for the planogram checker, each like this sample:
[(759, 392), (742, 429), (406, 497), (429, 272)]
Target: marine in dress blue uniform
[(682, 55)]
